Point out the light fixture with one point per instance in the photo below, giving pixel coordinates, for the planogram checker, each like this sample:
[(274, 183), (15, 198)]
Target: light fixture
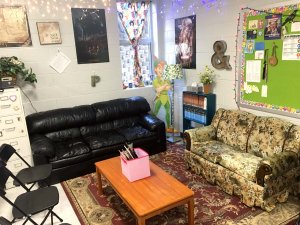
[(173, 72)]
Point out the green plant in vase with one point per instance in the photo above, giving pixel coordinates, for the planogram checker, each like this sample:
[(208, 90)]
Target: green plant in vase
[(207, 78), (13, 67)]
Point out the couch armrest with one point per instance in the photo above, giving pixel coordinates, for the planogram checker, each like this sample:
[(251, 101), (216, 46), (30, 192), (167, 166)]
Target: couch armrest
[(151, 122), (42, 148), (199, 135), (276, 165)]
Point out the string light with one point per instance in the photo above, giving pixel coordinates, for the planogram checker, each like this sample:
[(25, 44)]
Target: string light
[(181, 6), (52, 8), (236, 60)]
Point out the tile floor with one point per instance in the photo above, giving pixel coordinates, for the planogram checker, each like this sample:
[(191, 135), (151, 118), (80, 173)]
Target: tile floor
[(63, 209)]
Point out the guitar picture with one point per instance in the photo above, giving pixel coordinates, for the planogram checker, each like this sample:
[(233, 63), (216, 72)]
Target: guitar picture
[(273, 59)]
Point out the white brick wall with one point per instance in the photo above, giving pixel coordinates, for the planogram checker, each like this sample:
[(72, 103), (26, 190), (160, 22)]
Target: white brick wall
[(73, 86)]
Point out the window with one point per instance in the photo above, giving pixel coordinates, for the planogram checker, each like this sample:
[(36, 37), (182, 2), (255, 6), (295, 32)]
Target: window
[(134, 21)]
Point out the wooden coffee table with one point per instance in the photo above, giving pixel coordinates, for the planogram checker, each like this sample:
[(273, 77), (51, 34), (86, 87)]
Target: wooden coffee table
[(149, 196)]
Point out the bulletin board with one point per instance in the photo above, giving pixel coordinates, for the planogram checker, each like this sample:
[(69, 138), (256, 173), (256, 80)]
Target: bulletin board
[(270, 60)]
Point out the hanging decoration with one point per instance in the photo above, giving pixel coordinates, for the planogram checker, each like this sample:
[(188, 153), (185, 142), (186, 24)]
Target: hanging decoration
[(53, 8), (133, 17), (192, 8)]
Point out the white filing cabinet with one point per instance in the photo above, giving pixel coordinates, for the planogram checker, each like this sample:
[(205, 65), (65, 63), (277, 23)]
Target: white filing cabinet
[(13, 129)]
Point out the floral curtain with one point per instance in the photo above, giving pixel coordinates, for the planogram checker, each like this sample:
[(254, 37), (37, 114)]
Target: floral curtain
[(133, 16)]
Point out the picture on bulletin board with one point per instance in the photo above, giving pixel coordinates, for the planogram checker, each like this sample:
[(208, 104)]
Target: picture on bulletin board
[(14, 28), (185, 41), (90, 35), (269, 72), (273, 27)]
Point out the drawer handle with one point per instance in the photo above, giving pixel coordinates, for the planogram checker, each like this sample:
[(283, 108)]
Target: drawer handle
[(5, 106), (9, 121), (4, 98), (14, 143), (17, 165), (10, 129), (1, 134)]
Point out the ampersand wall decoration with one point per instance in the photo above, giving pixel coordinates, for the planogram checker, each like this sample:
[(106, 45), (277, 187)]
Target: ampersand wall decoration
[(218, 59)]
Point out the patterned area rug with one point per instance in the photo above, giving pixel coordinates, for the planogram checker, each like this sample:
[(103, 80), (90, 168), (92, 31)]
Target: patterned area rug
[(212, 205)]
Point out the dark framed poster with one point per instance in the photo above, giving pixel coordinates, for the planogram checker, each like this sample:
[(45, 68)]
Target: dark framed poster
[(14, 29), (90, 35), (185, 41)]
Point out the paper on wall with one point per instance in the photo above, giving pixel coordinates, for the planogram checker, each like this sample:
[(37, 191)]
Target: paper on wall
[(259, 54), (291, 47), (60, 62), (253, 68), (295, 27), (264, 91)]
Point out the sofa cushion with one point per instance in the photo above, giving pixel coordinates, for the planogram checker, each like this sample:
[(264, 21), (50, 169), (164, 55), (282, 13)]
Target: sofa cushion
[(107, 126), (70, 152), (218, 115), (104, 139), (268, 136), (60, 119), (64, 135), (211, 150), (242, 163), (234, 128), (120, 108), (133, 133)]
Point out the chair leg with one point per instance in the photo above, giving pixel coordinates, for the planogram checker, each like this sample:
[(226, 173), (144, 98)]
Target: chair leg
[(31, 220), (32, 186), (51, 218), (60, 219), (48, 213), (25, 221)]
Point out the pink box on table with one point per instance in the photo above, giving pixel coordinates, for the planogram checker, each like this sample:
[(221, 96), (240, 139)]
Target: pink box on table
[(136, 169)]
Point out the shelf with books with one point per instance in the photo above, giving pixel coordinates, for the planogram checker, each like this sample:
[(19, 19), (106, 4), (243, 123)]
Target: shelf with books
[(197, 107)]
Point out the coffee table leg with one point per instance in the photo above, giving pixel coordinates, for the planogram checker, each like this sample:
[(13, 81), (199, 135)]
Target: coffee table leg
[(191, 211), (141, 221), (99, 182)]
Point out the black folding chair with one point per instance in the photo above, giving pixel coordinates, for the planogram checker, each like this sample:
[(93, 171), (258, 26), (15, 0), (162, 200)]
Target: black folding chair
[(29, 175), (4, 221), (30, 202)]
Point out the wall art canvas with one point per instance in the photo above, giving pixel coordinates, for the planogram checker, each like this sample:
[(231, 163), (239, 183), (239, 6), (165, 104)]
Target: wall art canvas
[(185, 41), (90, 35), (14, 29), (49, 33)]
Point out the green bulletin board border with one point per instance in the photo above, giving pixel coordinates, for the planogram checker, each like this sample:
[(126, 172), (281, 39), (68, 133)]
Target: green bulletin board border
[(282, 110)]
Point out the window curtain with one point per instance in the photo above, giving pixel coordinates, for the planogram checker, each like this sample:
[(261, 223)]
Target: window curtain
[(133, 16)]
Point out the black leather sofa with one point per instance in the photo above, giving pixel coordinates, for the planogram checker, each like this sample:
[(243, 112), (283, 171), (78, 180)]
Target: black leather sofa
[(73, 139)]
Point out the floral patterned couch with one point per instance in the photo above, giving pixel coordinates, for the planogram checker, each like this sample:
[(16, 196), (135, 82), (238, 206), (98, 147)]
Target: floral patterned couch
[(254, 157)]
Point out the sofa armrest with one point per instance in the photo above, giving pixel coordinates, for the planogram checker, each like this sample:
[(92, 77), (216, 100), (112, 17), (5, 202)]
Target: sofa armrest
[(201, 134), (42, 148), (151, 122), (276, 165)]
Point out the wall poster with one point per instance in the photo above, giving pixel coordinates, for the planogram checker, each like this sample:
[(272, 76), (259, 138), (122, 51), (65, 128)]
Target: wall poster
[(185, 41), (14, 29), (49, 33), (90, 35)]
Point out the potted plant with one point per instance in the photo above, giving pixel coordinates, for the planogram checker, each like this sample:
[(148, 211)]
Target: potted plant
[(207, 78), (13, 67)]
